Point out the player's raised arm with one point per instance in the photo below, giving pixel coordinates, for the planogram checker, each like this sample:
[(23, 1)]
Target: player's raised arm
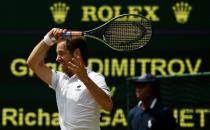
[(36, 59)]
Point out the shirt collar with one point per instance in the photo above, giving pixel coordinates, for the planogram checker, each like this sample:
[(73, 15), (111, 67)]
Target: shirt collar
[(152, 105), (88, 70), (75, 76)]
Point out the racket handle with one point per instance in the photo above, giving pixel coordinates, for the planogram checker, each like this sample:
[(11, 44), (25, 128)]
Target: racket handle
[(71, 34)]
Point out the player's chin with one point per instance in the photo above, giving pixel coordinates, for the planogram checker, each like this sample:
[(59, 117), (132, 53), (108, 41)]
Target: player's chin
[(64, 67)]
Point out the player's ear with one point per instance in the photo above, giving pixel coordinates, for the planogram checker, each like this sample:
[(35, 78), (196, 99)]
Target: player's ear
[(77, 53)]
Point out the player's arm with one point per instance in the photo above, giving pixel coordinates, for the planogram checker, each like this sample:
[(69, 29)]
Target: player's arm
[(77, 67), (36, 59), (103, 99), (36, 62)]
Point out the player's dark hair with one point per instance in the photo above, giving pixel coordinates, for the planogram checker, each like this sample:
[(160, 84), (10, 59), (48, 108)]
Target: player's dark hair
[(79, 43)]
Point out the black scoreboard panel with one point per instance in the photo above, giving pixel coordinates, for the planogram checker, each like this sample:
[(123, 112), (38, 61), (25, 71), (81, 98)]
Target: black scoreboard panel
[(179, 45)]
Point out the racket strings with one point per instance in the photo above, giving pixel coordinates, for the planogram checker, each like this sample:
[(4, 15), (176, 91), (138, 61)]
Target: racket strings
[(128, 35)]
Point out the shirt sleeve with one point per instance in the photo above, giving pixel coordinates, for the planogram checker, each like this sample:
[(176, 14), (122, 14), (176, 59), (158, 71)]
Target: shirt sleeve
[(99, 80), (55, 78)]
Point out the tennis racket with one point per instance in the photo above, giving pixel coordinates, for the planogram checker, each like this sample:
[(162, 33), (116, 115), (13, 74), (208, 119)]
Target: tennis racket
[(125, 32)]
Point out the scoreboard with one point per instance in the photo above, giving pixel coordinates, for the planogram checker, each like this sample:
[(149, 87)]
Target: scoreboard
[(179, 45)]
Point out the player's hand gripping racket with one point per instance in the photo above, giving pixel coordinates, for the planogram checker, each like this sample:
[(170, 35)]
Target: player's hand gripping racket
[(123, 33)]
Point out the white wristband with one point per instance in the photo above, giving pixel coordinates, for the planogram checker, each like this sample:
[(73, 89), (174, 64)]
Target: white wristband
[(49, 41)]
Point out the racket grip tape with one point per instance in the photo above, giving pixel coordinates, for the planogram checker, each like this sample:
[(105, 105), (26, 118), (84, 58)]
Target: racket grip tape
[(71, 34)]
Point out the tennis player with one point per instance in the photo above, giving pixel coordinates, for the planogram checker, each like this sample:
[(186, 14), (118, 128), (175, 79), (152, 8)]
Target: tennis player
[(80, 92)]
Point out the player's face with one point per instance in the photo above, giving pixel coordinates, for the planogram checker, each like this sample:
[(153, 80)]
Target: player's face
[(63, 55), (144, 91)]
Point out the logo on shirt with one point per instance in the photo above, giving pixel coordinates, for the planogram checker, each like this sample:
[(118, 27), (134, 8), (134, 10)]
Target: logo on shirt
[(78, 88), (151, 122)]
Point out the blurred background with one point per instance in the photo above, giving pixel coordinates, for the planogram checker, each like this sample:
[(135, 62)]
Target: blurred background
[(179, 46)]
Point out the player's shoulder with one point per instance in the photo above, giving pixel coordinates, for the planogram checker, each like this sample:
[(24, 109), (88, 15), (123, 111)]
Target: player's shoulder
[(59, 74), (94, 74)]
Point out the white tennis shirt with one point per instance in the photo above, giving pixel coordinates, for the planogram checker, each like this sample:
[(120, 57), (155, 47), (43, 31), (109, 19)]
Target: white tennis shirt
[(77, 108)]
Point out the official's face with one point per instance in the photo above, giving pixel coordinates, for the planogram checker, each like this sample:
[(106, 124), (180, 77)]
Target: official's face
[(143, 91), (63, 55)]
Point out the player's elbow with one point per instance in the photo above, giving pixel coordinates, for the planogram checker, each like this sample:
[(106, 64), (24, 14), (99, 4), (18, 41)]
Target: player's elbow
[(108, 106), (29, 63), (33, 64)]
